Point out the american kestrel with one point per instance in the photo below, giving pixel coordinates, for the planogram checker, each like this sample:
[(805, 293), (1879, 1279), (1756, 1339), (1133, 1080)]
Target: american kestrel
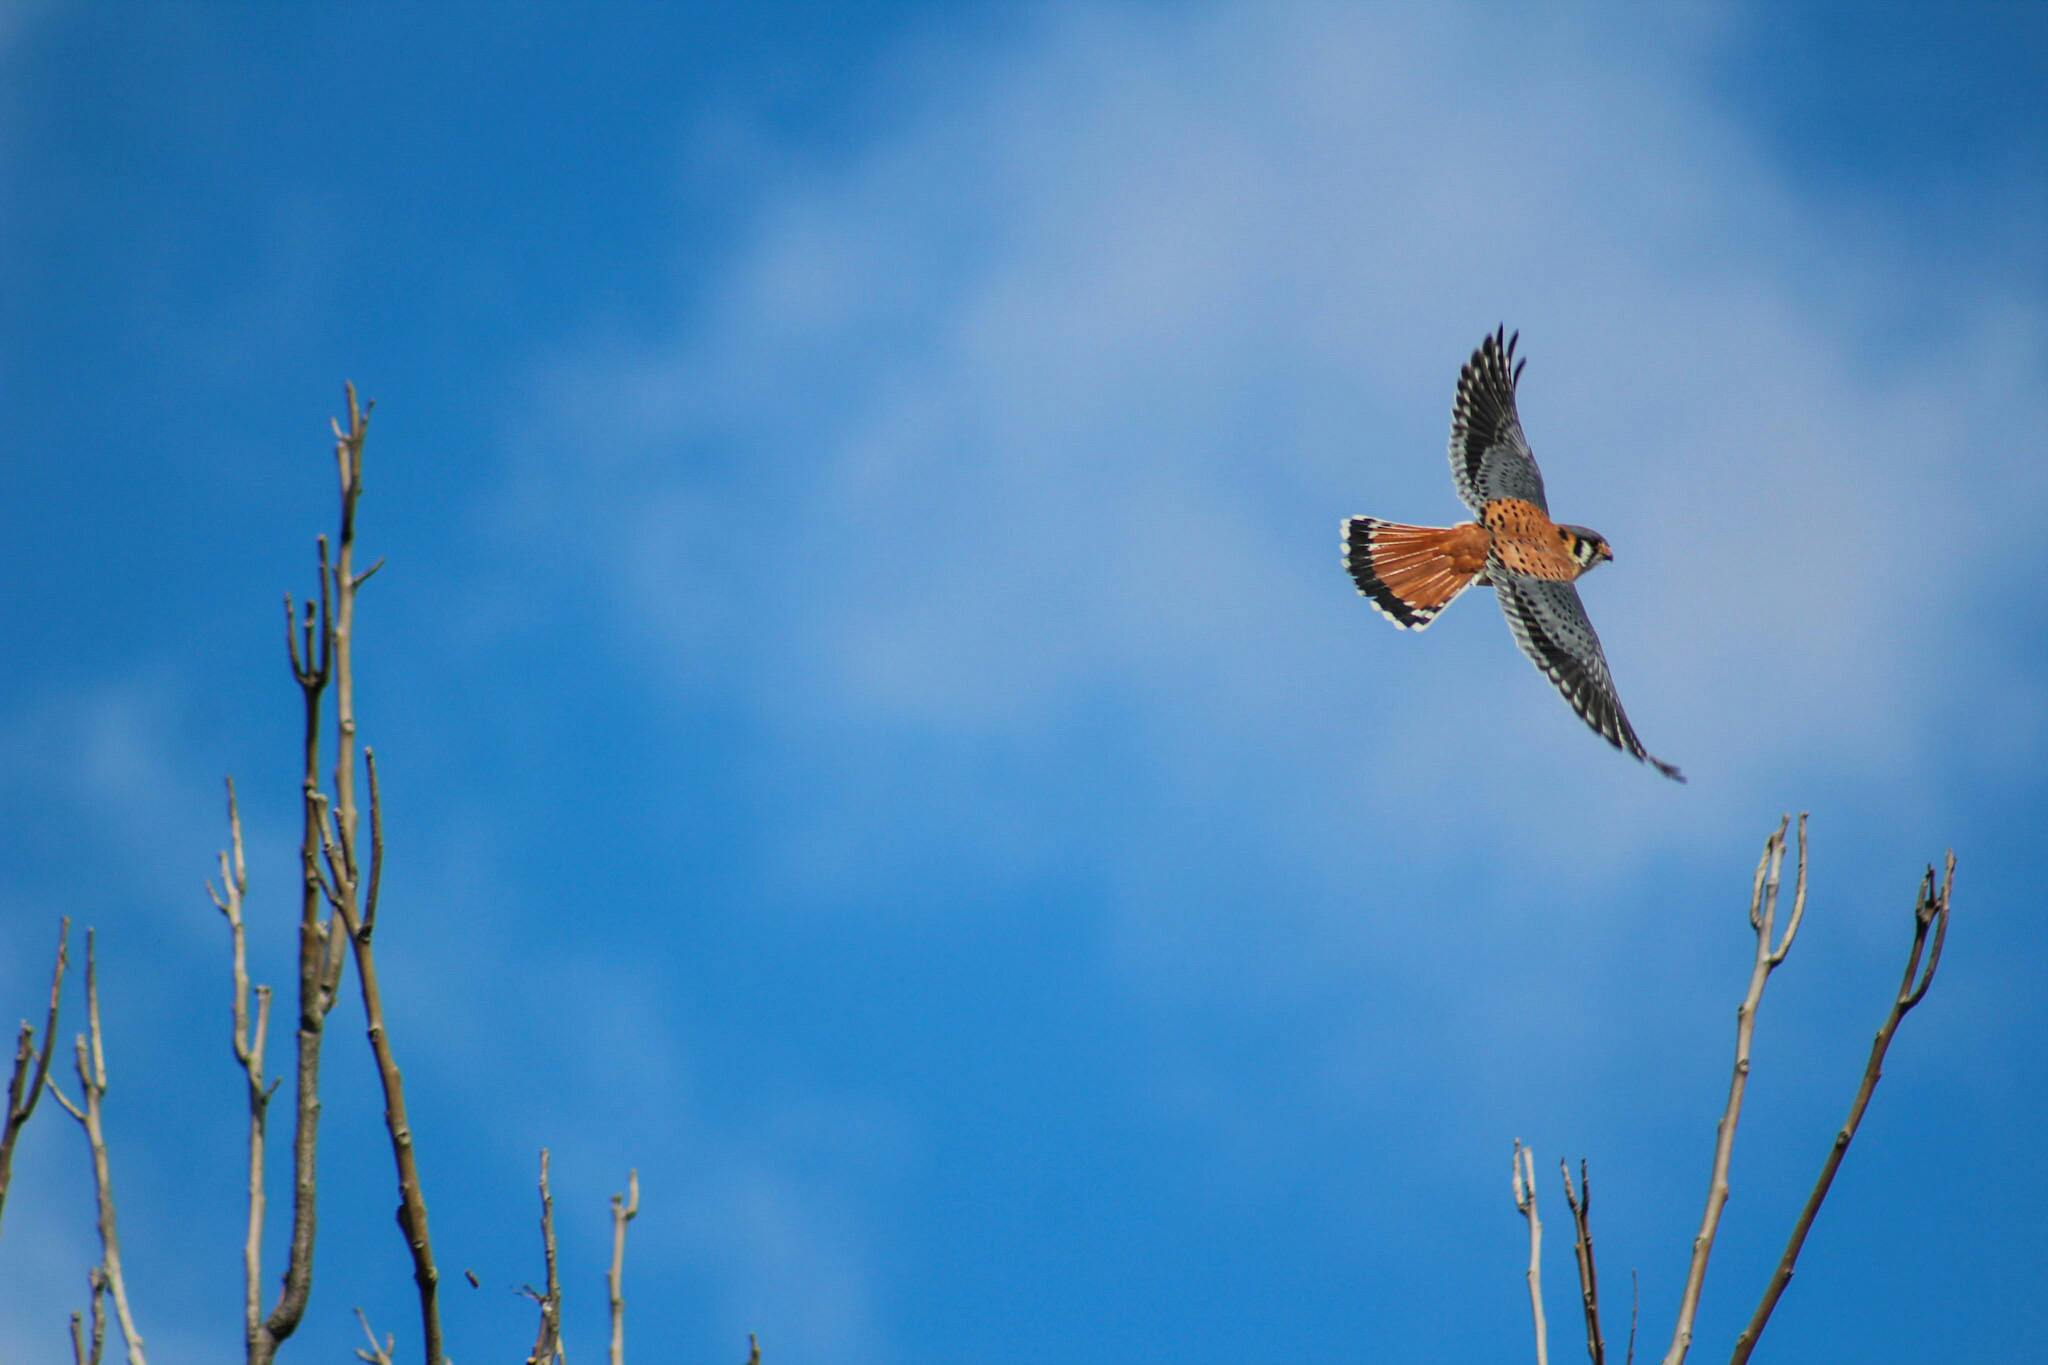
[(1413, 572)]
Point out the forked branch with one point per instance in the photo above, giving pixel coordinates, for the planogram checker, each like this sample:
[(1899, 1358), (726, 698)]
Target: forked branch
[(90, 1056), (1930, 913), (249, 1048), (31, 1067), (1581, 1204), (1770, 951)]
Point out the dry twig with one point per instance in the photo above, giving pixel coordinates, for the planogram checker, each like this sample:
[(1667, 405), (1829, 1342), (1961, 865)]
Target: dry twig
[(1930, 911), (376, 1355), (91, 1060), (354, 902), (80, 1353), (22, 1092), (624, 1209), (1763, 910), (1581, 1205), (547, 1345), (249, 1048), (1525, 1203), (753, 1350)]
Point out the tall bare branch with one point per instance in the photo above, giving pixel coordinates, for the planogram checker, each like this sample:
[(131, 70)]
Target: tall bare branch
[(1581, 1205), (1930, 912), (90, 1056), (1763, 910), (1525, 1204), (624, 1209), (31, 1067), (547, 1344), (337, 873), (377, 1354)]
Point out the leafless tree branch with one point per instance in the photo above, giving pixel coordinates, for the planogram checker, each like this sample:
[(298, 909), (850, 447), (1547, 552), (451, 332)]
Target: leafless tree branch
[(1930, 911), (753, 1350), (90, 1056), (1634, 1300), (376, 1355), (624, 1209), (1763, 910), (1524, 1166), (22, 1092), (80, 1354), (249, 1051), (547, 1345), (1581, 1205)]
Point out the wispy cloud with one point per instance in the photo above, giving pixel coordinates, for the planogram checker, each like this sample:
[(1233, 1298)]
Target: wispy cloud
[(1050, 397)]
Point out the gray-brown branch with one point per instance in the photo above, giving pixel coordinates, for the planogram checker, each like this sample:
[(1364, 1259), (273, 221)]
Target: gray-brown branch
[(624, 1209), (1581, 1204), (31, 1067), (1763, 910), (1930, 912), (90, 1056), (249, 1047), (547, 1344)]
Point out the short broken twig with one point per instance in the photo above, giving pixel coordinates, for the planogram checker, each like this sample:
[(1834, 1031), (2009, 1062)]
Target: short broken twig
[(624, 1209), (1930, 912)]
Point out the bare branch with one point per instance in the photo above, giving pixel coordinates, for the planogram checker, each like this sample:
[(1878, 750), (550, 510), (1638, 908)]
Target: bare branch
[(80, 1355), (90, 1058), (1581, 1205), (1524, 1166), (249, 1052), (547, 1345), (624, 1209), (1634, 1300), (1763, 911), (22, 1092), (376, 1355), (1930, 910), (753, 1350), (376, 843)]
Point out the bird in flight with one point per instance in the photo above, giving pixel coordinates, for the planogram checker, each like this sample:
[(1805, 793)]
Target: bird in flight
[(1410, 573)]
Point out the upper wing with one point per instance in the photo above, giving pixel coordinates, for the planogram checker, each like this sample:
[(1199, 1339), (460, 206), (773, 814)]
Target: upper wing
[(1549, 623), (1489, 455)]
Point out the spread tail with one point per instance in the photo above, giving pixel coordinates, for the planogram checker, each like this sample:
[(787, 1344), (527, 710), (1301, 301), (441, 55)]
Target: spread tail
[(1413, 572)]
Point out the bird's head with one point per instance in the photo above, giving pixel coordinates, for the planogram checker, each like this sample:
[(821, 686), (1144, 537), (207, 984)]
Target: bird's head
[(1588, 548)]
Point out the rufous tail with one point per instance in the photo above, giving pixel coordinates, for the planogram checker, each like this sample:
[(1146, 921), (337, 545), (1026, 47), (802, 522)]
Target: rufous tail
[(1413, 572)]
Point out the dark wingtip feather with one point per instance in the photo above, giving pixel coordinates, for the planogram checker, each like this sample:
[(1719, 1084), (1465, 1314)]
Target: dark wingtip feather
[(1667, 769)]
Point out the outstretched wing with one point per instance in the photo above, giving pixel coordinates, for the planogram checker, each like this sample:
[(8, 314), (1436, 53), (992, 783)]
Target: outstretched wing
[(1549, 623), (1490, 457)]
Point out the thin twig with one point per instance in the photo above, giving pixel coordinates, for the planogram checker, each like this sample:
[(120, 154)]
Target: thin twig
[(1930, 911), (249, 1050), (376, 1355), (624, 1209), (1581, 1205), (22, 1092), (1763, 910), (1525, 1203), (90, 1058), (80, 1353), (1634, 1300), (547, 1345), (753, 1350)]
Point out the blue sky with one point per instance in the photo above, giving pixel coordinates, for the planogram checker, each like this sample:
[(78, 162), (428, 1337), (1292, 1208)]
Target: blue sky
[(875, 733)]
